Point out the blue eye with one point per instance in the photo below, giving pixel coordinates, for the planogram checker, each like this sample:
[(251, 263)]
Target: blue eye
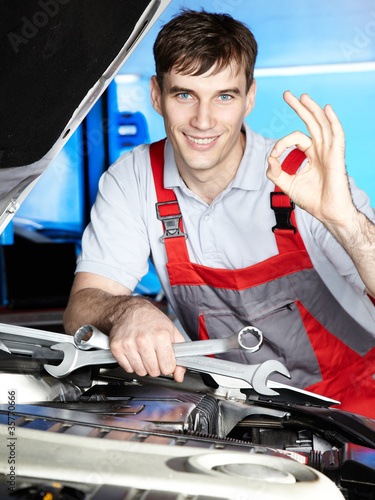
[(184, 95), (225, 97)]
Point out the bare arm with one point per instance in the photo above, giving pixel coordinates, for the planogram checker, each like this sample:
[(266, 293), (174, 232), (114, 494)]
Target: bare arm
[(141, 335), (322, 188)]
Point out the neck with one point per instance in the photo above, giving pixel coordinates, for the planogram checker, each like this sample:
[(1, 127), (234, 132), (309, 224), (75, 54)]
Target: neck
[(207, 188)]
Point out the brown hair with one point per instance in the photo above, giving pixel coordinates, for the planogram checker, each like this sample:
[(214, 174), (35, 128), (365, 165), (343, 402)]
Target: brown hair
[(194, 42)]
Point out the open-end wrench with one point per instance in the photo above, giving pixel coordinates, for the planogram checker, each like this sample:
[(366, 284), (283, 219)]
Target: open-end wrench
[(255, 375), (77, 356)]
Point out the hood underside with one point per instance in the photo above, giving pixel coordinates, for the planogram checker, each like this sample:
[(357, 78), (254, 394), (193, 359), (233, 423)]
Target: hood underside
[(58, 57)]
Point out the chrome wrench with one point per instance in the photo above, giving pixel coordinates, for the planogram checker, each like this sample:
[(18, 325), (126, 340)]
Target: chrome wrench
[(193, 355), (78, 355), (240, 340), (255, 375), (75, 358)]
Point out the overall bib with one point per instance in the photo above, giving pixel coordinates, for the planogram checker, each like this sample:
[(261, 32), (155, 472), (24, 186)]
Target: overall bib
[(304, 326)]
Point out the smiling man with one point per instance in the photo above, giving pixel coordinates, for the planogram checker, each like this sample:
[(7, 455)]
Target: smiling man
[(226, 255)]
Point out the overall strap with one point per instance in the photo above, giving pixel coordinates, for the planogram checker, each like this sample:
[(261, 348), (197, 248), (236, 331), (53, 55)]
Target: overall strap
[(286, 233), (167, 209)]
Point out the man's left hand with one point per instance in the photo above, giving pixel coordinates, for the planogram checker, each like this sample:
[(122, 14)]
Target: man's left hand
[(321, 187)]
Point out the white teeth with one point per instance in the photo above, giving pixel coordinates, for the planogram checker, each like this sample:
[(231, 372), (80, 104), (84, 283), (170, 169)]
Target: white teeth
[(201, 141)]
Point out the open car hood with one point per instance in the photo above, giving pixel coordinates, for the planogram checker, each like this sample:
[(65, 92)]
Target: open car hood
[(58, 57)]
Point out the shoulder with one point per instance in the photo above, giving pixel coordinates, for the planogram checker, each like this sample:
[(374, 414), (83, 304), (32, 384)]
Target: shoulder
[(130, 170), (134, 160)]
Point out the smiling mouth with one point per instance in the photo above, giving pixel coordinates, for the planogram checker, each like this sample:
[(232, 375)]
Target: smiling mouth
[(202, 141)]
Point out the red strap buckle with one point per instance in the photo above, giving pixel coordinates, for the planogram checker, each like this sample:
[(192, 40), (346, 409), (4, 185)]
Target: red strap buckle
[(282, 211)]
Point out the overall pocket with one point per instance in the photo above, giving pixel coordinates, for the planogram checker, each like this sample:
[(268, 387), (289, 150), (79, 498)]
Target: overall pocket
[(285, 340)]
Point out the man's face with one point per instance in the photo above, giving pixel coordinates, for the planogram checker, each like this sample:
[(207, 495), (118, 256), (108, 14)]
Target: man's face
[(203, 116)]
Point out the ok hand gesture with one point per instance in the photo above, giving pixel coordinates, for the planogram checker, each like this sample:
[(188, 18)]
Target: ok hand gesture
[(321, 186)]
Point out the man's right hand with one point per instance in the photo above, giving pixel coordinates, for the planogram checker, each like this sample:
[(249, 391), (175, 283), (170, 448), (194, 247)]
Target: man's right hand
[(141, 340), (141, 335)]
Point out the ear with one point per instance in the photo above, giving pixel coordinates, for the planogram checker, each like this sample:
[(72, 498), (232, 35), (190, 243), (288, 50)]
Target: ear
[(250, 98), (155, 94)]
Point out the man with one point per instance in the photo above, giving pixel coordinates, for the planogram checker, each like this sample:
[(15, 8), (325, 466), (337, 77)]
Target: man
[(303, 276)]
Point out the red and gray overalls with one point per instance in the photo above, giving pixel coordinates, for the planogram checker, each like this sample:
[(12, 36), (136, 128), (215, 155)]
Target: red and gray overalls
[(304, 326)]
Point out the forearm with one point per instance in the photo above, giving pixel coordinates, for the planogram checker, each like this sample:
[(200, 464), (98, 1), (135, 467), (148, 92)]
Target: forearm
[(95, 307), (141, 336), (357, 236)]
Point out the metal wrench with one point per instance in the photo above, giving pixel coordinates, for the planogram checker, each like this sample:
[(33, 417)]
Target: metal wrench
[(97, 338), (77, 356), (238, 340), (255, 375)]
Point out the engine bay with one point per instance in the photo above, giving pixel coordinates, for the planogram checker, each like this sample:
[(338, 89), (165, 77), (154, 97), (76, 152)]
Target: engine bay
[(197, 437)]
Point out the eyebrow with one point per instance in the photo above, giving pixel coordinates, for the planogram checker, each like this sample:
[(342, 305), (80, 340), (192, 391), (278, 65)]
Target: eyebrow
[(181, 90)]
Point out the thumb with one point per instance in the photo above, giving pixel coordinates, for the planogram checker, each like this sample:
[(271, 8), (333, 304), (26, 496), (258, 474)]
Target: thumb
[(274, 169), (277, 175)]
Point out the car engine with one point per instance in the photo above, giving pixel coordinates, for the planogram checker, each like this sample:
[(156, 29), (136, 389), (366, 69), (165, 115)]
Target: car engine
[(102, 433)]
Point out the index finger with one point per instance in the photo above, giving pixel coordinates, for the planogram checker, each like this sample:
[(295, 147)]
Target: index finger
[(316, 122), (302, 141)]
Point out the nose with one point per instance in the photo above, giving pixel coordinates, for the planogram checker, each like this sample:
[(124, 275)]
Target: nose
[(203, 116)]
